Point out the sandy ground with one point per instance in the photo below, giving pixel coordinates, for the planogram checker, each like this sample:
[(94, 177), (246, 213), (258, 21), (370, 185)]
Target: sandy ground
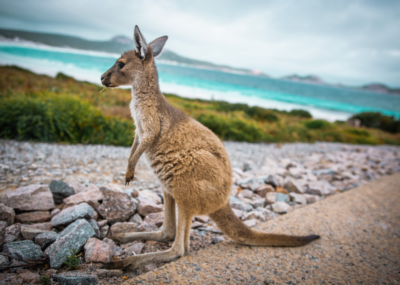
[(360, 244)]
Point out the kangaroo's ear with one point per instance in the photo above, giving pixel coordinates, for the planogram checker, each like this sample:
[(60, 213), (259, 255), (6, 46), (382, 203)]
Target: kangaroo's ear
[(157, 45), (140, 43)]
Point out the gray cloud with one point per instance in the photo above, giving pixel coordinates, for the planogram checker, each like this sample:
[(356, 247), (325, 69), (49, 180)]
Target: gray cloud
[(353, 42)]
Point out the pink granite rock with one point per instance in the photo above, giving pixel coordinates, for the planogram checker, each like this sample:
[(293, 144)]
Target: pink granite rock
[(76, 186), (121, 228), (135, 248), (91, 197), (147, 227), (155, 218), (33, 217), (97, 251), (42, 226), (34, 197), (146, 207), (116, 206)]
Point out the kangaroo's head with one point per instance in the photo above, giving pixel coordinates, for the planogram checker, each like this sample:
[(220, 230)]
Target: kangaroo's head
[(132, 64)]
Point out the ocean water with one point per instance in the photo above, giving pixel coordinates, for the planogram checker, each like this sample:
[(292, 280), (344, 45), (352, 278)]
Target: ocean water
[(331, 103)]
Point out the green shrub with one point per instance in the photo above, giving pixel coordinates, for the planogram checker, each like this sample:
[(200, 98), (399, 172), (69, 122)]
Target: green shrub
[(378, 121), (358, 132), (317, 124), (232, 127), (300, 113), (58, 118), (72, 261), (44, 280)]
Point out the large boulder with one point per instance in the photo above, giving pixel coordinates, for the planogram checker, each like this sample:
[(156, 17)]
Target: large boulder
[(116, 206), (73, 236), (97, 251), (33, 217), (60, 190), (67, 216), (34, 197), (90, 197), (7, 214)]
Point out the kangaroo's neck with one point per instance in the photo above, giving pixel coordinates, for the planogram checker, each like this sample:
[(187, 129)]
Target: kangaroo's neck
[(146, 88)]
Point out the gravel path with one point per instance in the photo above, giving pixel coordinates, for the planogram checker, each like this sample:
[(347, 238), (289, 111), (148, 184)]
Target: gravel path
[(360, 244)]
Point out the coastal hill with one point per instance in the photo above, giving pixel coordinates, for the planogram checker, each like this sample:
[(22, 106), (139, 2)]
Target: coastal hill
[(119, 44)]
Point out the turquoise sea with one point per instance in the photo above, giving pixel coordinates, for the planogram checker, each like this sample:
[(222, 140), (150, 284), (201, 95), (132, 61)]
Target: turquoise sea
[(327, 102)]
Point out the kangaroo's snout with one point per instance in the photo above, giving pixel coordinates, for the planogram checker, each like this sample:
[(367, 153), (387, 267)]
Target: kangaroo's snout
[(105, 80)]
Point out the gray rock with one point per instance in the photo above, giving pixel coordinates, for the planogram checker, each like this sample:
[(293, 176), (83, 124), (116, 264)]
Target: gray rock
[(151, 196), (134, 249), (298, 198), (45, 239), (280, 207), (76, 186), (136, 218), (251, 223), (12, 233), (311, 198), (293, 186), (258, 203), (4, 260), (10, 279), (60, 190), (155, 218), (116, 207), (55, 212), (3, 226), (102, 223), (238, 204), (29, 233), (280, 197), (7, 214), (95, 227), (25, 249), (73, 236), (263, 189), (30, 198), (271, 180), (104, 231), (238, 213), (75, 278), (71, 214)]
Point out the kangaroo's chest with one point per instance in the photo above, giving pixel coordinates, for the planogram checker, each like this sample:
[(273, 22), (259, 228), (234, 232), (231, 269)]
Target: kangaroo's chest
[(135, 112)]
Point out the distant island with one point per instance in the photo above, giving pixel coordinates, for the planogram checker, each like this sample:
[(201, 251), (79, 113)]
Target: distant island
[(120, 44)]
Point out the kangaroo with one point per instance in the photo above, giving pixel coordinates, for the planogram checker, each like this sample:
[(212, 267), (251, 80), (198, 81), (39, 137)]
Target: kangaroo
[(188, 159)]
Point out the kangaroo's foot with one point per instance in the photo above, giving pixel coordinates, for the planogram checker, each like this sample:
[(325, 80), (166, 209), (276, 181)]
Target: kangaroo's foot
[(133, 262)]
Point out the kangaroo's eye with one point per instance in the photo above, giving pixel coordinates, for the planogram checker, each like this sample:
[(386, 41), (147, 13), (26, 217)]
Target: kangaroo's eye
[(120, 65)]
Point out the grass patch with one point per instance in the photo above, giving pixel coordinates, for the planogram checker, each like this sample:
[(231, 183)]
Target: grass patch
[(62, 109)]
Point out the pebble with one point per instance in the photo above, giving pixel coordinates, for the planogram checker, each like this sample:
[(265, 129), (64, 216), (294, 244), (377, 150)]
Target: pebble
[(97, 251), (121, 228), (34, 197), (146, 207), (33, 217), (280, 207), (30, 233), (45, 239)]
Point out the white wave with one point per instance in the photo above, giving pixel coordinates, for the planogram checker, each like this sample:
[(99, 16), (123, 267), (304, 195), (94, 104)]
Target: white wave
[(16, 42), (236, 97)]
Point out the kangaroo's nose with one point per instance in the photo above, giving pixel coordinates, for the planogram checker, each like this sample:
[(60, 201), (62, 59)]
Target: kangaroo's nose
[(102, 77)]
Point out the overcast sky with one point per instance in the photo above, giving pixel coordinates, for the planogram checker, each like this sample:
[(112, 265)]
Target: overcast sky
[(352, 42)]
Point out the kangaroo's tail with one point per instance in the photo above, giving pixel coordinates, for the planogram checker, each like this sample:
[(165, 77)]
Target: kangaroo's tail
[(239, 232)]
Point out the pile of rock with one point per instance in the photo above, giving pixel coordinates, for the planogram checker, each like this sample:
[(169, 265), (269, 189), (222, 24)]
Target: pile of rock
[(40, 221)]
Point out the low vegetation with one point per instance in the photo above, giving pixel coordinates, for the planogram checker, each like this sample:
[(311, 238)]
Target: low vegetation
[(62, 109)]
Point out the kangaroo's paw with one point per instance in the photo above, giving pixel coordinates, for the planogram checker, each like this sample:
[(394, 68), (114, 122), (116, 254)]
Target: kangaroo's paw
[(129, 176)]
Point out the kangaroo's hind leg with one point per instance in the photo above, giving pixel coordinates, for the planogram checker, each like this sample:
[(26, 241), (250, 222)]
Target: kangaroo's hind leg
[(167, 232), (177, 250)]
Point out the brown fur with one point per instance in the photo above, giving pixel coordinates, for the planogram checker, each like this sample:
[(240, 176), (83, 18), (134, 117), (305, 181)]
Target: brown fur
[(190, 162)]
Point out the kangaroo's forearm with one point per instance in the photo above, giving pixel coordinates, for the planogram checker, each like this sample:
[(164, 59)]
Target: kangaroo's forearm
[(144, 144), (134, 146)]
